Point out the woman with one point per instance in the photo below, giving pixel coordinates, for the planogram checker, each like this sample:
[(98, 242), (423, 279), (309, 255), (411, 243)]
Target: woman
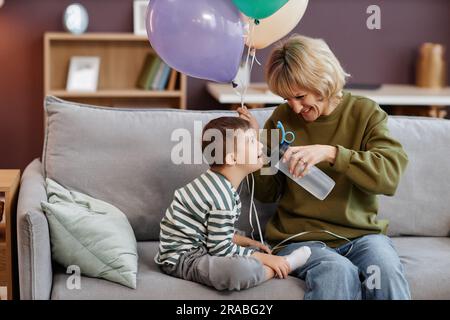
[(347, 137)]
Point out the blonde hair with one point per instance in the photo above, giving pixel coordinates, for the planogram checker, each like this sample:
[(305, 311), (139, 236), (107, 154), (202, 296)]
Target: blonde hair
[(305, 63)]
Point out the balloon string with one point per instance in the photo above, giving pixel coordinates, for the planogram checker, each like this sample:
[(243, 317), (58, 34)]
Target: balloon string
[(249, 49), (248, 66), (256, 59)]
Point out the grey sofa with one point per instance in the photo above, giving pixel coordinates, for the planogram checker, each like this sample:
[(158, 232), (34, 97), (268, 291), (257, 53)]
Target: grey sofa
[(123, 156)]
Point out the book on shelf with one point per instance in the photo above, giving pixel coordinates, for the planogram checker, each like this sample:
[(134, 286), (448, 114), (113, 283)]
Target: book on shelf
[(158, 76), (147, 72), (173, 80), (155, 74), (162, 82)]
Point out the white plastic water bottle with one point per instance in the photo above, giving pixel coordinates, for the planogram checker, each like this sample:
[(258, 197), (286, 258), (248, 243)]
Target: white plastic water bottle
[(315, 182)]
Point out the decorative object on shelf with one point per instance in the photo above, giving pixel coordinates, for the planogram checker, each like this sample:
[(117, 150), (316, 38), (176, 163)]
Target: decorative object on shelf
[(201, 38), (431, 72), (83, 74), (139, 10), (75, 19), (431, 69)]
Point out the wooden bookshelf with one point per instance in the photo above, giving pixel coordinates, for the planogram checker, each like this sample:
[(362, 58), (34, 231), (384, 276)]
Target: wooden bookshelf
[(122, 56), (9, 190)]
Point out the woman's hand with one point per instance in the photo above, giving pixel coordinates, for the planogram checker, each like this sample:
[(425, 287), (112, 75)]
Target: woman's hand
[(247, 115), (301, 159)]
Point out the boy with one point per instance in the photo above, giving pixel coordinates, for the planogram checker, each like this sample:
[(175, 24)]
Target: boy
[(197, 238)]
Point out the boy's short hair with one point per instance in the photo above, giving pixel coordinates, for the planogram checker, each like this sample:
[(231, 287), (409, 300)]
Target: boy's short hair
[(223, 124), (305, 63)]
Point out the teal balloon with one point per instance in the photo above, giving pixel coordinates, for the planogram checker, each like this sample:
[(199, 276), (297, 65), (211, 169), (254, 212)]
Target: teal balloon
[(259, 9)]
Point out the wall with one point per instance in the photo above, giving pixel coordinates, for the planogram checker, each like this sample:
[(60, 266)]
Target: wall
[(380, 56)]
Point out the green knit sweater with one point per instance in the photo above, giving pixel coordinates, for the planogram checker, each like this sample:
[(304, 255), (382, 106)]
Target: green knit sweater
[(368, 162)]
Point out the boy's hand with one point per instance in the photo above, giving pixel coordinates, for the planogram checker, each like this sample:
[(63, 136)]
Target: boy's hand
[(263, 247), (247, 242), (279, 264), (247, 115)]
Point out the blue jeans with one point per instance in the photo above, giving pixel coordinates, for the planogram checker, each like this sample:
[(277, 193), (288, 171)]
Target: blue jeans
[(371, 270)]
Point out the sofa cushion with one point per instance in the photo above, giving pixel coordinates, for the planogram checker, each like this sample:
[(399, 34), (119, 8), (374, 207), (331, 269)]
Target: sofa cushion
[(421, 205), (123, 157), (426, 261), (153, 284), (91, 234)]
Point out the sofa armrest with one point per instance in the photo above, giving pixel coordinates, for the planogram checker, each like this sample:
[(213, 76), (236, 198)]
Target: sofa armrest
[(33, 238)]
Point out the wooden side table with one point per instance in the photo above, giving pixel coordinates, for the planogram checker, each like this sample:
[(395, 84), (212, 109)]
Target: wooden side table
[(9, 191)]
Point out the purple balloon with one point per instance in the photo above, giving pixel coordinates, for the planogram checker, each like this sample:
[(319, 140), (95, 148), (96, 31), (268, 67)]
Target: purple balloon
[(201, 38)]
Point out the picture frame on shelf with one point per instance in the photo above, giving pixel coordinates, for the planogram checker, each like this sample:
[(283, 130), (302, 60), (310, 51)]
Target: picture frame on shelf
[(83, 74), (139, 12)]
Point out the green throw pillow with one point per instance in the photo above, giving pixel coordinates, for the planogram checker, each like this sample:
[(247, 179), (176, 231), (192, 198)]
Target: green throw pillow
[(91, 234)]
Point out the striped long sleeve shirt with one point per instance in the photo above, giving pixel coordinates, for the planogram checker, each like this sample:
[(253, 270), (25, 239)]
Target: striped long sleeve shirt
[(202, 213)]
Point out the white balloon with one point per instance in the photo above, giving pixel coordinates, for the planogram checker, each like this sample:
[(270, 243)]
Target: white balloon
[(276, 26)]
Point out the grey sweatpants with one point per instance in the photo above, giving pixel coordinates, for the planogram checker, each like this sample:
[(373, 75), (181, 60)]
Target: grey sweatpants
[(222, 273)]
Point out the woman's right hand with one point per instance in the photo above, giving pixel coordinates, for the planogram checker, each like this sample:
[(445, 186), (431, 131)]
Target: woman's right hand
[(245, 114)]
